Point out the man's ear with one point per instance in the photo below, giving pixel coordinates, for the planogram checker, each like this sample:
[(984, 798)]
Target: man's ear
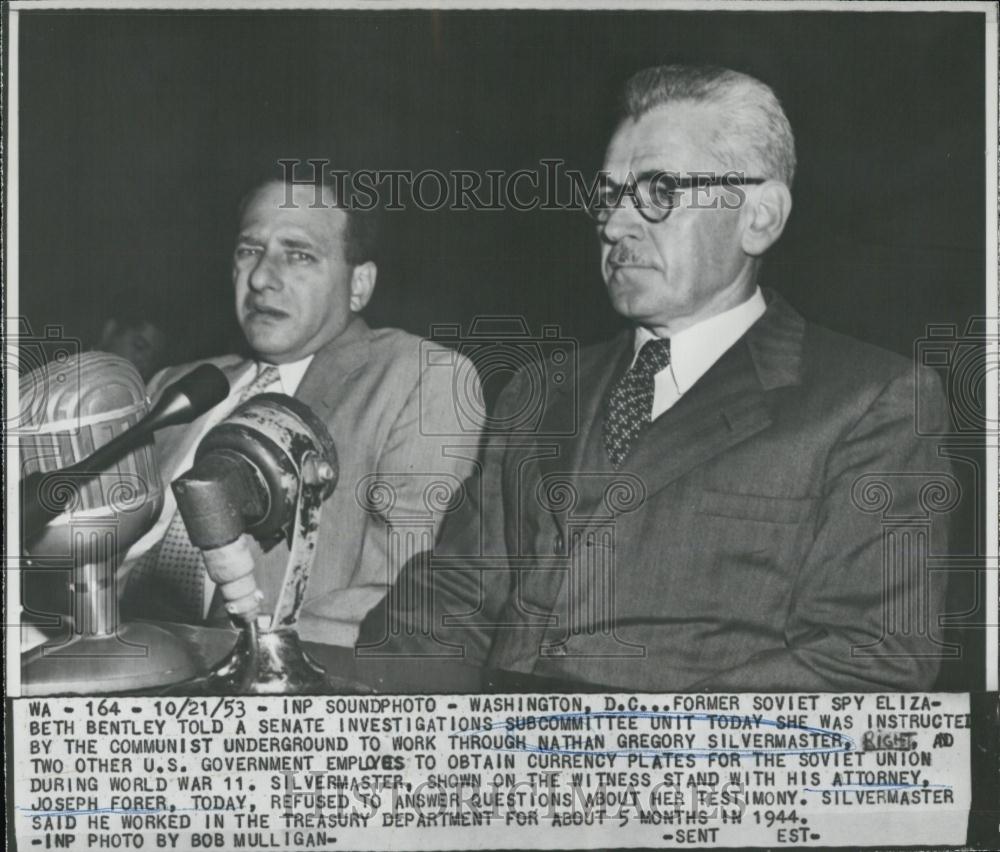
[(362, 285), (765, 212)]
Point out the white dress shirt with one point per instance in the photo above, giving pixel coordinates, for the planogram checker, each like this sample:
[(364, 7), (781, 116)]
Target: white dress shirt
[(290, 376), (695, 349)]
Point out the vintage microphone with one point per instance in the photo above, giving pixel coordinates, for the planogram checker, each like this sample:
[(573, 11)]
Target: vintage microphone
[(90, 489), (264, 472), (45, 496)]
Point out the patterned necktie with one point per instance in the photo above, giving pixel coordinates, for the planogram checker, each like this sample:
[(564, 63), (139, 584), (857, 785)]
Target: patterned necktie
[(267, 375), (630, 406), (172, 572)]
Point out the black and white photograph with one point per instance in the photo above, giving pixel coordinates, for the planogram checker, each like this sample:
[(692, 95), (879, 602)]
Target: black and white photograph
[(573, 422)]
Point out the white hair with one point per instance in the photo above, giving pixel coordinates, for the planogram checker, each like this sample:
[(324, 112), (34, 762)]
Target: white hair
[(757, 133)]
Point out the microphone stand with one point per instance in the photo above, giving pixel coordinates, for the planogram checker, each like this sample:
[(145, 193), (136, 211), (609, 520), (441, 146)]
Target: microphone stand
[(268, 657), (226, 500), (100, 654)]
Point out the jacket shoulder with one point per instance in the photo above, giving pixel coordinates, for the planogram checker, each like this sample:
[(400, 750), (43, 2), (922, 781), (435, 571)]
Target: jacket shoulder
[(414, 374), (394, 343), (414, 354), (826, 349), (854, 374)]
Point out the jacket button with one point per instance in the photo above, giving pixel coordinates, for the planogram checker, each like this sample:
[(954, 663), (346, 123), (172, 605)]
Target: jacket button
[(558, 544)]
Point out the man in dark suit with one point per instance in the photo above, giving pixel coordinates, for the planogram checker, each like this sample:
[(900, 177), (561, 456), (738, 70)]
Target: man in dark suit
[(715, 518), (303, 271)]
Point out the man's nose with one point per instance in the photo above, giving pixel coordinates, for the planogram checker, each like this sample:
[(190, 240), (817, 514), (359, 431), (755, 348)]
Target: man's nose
[(264, 274), (623, 221)]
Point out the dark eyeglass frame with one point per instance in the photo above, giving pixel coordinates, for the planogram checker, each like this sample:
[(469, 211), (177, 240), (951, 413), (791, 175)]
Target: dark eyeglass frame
[(667, 185)]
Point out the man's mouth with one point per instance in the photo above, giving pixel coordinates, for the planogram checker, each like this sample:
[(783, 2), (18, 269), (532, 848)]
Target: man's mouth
[(622, 258), (625, 265), (265, 312)]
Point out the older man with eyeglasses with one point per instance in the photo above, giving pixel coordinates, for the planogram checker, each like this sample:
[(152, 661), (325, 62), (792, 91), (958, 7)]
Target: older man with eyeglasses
[(714, 518)]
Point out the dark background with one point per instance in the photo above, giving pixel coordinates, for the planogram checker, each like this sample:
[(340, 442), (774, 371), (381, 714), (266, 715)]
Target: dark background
[(139, 133)]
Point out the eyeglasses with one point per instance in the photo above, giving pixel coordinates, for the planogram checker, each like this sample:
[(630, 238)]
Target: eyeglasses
[(654, 194)]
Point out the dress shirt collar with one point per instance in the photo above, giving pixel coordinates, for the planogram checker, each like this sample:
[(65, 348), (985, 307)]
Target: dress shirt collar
[(291, 374), (698, 347)]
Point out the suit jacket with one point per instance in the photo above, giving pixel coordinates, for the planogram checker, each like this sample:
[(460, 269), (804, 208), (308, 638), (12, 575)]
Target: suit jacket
[(387, 399), (768, 532)]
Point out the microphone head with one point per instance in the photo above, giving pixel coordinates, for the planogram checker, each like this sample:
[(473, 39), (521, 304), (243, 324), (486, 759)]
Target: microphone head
[(189, 397), (76, 390), (275, 434), (205, 386), (68, 409)]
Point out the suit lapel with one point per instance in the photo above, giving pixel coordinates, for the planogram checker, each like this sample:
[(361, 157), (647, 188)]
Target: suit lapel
[(728, 404), (575, 407), (330, 371), (573, 411)]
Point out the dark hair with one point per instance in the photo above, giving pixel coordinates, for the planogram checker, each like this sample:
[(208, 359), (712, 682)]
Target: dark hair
[(757, 132), (360, 230)]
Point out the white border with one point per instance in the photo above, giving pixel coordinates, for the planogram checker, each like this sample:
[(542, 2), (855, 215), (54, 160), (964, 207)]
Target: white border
[(12, 520), (992, 387), (455, 5)]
